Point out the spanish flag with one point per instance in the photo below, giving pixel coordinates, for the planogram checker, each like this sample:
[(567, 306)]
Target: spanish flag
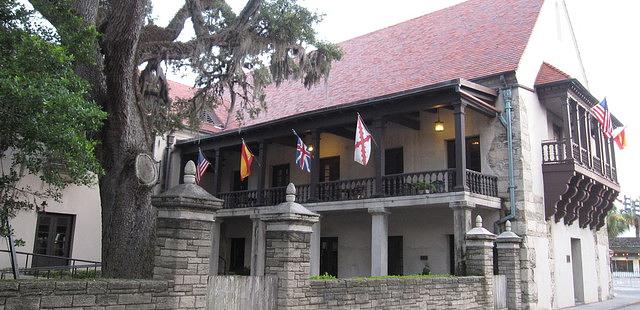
[(246, 158), (620, 138)]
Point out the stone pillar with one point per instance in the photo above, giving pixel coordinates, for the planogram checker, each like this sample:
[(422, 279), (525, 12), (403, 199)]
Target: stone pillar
[(184, 235), (461, 224), (257, 246), (214, 260), (379, 239), (288, 248), (315, 249), (479, 258), (508, 244)]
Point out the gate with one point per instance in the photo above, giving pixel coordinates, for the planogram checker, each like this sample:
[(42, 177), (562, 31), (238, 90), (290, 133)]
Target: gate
[(500, 291), (242, 292)]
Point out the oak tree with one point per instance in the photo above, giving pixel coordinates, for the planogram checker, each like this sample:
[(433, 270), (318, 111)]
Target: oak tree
[(234, 54)]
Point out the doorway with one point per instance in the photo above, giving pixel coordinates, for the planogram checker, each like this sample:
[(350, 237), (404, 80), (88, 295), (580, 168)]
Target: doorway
[(394, 256), (329, 256), (576, 266), (236, 260), (54, 235)]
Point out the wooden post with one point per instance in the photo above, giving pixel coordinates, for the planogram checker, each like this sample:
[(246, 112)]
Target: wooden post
[(262, 148), (579, 132), (378, 160), (568, 131), (460, 146), (216, 171), (315, 166)]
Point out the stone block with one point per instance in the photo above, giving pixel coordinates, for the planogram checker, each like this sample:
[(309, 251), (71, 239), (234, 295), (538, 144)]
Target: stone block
[(22, 303), (56, 301), (128, 299), (84, 300), (106, 299), (96, 287)]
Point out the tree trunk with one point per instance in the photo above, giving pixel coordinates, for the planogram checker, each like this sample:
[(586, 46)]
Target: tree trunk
[(128, 219)]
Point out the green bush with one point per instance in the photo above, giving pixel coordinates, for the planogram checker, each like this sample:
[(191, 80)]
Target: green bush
[(325, 276)]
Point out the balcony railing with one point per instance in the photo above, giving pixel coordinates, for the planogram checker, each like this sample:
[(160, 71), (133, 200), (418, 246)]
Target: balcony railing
[(482, 184), (405, 184), (555, 152), (239, 199)]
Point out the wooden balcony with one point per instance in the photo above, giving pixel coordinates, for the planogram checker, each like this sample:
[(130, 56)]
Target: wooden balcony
[(578, 186), (405, 184)]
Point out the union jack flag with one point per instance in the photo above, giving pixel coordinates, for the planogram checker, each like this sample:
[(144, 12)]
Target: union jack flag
[(601, 111), (303, 156), (202, 166)]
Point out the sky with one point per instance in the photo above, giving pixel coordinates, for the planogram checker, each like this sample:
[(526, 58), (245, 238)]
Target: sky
[(607, 33)]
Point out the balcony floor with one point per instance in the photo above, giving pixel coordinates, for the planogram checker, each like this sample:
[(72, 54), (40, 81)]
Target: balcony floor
[(423, 200)]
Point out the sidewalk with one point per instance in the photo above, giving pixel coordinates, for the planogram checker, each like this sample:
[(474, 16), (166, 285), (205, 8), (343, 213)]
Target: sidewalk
[(625, 298)]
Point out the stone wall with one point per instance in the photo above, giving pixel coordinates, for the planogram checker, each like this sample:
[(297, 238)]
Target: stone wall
[(419, 293), (96, 294)]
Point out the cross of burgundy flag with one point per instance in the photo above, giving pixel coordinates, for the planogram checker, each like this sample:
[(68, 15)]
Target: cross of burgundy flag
[(362, 150)]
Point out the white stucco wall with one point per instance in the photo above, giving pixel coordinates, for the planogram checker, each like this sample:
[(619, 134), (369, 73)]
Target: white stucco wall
[(81, 201)]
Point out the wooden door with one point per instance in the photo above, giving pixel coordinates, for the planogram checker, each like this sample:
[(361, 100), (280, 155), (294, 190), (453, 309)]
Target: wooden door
[(54, 233)]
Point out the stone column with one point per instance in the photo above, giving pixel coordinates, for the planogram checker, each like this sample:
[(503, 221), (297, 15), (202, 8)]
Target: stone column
[(460, 146), (508, 244), (461, 224), (184, 235), (379, 241), (257, 246), (288, 248), (315, 249), (214, 260), (479, 258)]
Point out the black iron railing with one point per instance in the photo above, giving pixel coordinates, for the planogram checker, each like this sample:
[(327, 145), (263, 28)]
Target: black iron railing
[(346, 189), (60, 266), (404, 184), (427, 182), (239, 199)]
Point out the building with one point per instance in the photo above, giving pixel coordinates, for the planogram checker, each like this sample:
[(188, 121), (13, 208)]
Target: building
[(625, 259), (459, 68)]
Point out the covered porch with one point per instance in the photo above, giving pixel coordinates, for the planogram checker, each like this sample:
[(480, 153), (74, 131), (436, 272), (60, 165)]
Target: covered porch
[(410, 157), (369, 237)]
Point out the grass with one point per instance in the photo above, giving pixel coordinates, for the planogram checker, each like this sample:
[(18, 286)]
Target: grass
[(328, 277)]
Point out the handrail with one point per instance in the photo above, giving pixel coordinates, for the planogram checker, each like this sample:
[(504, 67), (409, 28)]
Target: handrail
[(556, 152), (482, 184), (46, 271)]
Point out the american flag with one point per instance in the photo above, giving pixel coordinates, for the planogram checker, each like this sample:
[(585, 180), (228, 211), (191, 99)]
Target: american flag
[(202, 166), (601, 111), (303, 157)]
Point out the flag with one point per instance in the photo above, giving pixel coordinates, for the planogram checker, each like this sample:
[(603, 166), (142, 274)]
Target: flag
[(362, 150), (601, 111), (246, 158), (620, 138), (202, 166), (303, 156)]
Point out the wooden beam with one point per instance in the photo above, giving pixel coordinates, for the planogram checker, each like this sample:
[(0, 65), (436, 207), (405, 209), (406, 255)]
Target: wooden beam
[(342, 132), (410, 123)]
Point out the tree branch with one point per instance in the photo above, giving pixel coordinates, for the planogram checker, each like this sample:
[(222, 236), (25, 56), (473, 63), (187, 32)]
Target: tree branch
[(166, 50), (153, 33)]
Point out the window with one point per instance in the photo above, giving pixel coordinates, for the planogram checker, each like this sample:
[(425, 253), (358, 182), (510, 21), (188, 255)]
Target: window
[(623, 266), (280, 175), (393, 161), (472, 145), (239, 185), (54, 235), (329, 169)]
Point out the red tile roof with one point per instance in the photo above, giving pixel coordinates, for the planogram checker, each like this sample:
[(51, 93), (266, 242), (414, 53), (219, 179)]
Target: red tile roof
[(181, 91), (549, 74), (472, 39)]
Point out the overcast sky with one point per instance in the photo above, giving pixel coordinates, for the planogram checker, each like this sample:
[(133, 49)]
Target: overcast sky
[(607, 34)]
